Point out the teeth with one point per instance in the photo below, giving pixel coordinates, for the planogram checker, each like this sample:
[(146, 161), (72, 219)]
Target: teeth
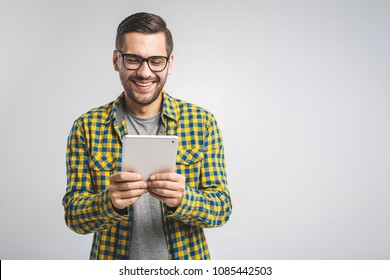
[(144, 85)]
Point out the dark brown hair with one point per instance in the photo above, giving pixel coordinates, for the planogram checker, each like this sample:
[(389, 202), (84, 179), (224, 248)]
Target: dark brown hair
[(144, 23)]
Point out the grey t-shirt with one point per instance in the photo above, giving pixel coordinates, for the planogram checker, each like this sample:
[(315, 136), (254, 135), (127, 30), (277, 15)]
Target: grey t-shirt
[(148, 241)]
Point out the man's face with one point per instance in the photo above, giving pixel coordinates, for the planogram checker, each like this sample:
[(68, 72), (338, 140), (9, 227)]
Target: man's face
[(142, 86)]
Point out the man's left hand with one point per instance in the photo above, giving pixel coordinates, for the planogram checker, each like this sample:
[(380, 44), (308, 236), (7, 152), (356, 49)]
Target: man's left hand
[(167, 187)]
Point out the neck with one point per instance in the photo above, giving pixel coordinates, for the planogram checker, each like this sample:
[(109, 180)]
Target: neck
[(144, 111)]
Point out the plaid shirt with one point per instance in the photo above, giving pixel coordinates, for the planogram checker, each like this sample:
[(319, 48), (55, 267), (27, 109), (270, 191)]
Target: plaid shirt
[(94, 153)]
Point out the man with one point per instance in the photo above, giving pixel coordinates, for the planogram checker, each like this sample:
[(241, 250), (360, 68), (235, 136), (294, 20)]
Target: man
[(163, 217)]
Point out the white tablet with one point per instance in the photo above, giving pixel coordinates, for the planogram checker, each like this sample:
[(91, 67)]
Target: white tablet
[(148, 154)]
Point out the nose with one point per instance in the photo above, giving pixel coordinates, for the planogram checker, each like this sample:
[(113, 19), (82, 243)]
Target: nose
[(144, 71)]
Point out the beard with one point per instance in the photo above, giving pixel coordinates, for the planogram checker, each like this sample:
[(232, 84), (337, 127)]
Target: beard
[(143, 98)]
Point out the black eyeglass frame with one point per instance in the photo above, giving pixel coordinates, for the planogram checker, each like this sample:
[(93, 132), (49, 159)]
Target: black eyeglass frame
[(142, 60)]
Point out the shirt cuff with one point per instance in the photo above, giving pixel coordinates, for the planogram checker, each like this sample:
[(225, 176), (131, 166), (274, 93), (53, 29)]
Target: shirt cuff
[(107, 210), (187, 205)]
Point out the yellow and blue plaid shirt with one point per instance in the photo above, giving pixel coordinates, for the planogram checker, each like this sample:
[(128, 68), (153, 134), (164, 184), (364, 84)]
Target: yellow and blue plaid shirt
[(94, 153)]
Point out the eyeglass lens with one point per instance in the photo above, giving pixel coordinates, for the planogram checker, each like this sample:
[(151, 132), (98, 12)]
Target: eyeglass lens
[(156, 63)]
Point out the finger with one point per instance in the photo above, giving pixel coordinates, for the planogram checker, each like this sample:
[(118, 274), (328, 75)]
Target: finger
[(160, 184), (164, 192), (167, 176), (125, 186), (167, 185), (122, 203), (128, 194), (171, 202), (125, 177)]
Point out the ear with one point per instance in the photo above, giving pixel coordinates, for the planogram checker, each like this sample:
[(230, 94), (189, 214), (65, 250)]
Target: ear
[(170, 64), (115, 60)]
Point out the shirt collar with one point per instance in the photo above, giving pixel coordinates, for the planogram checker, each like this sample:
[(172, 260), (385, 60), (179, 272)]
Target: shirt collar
[(169, 108)]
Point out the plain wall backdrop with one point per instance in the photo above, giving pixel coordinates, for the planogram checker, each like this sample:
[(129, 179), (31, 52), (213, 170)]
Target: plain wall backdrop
[(300, 89)]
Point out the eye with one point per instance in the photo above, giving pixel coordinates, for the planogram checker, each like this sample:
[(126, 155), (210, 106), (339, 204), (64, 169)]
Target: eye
[(132, 59), (157, 61)]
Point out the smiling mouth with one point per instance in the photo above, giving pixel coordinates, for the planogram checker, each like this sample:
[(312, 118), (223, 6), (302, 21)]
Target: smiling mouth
[(143, 84)]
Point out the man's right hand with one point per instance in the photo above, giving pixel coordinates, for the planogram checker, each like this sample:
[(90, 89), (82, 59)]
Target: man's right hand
[(126, 188)]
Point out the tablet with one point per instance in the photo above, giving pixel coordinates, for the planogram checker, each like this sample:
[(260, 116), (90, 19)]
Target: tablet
[(148, 154)]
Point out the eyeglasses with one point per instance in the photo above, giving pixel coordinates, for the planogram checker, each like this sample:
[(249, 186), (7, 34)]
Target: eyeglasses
[(134, 62)]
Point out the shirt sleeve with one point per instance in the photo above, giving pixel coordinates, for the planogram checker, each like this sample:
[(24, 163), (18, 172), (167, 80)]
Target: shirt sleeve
[(86, 211), (208, 204)]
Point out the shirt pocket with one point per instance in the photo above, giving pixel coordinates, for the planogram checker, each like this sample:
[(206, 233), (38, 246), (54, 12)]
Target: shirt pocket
[(102, 167), (189, 164)]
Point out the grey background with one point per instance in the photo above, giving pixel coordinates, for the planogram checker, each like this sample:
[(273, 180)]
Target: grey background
[(300, 90)]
